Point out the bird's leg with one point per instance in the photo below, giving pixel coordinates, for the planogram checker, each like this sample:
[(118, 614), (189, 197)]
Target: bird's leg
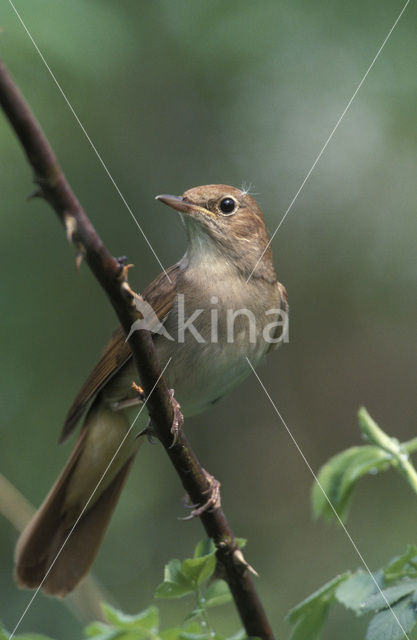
[(177, 421), (147, 431), (213, 501), (125, 403)]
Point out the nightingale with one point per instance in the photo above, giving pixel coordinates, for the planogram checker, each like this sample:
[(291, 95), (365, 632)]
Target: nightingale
[(218, 306)]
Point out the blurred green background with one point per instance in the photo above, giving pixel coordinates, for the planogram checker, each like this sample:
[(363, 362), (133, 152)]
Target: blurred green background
[(176, 94)]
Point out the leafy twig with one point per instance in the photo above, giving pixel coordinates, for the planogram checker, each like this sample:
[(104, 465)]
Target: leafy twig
[(390, 593), (340, 475), (193, 579), (397, 452)]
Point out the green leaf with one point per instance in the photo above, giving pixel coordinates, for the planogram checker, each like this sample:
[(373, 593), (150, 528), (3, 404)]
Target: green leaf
[(195, 613), (27, 636), (218, 593), (167, 590), (389, 596), (338, 477), (205, 547), (199, 569), (309, 616), (354, 591), (96, 628), (310, 626), (170, 634), (194, 626), (124, 626), (239, 635), (394, 604), (172, 571), (101, 631), (175, 584), (194, 630), (326, 592), (392, 624), (404, 565), (147, 620)]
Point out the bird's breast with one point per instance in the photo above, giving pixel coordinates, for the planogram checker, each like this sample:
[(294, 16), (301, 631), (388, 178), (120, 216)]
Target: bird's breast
[(214, 328)]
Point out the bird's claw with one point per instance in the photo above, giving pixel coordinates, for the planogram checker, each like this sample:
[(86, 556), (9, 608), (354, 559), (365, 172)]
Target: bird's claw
[(213, 501), (149, 433), (178, 421)]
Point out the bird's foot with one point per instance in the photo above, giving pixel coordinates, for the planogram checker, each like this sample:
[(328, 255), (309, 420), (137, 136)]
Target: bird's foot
[(149, 433), (213, 501), (178, 421), (122, 261)]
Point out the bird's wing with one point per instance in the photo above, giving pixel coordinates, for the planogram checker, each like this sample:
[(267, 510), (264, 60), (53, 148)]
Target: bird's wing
[(160, 294), (284, 307)]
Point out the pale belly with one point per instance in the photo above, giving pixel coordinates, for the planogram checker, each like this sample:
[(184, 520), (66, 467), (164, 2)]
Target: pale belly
[(200, 374)]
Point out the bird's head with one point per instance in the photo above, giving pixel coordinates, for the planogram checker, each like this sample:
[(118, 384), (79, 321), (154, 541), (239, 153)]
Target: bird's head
[(228, 222)]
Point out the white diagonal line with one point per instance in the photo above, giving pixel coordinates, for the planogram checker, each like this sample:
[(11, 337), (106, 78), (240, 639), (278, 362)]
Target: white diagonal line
[(86, 504), (351, 540), (103, 164), (333, 131)]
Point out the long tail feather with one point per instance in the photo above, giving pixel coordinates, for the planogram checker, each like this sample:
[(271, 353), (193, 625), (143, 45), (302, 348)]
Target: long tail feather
[(49, 553)]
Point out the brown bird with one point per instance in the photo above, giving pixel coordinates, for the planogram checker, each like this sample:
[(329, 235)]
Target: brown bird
[(219, 305)]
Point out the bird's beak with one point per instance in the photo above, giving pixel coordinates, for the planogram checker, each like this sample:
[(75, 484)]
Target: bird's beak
[(178, 203)]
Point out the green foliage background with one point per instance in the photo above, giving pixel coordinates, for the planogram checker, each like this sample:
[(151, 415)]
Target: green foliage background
[(175, 94)]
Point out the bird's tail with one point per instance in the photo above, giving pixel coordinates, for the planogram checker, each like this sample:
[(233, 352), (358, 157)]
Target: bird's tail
[(59, 544)]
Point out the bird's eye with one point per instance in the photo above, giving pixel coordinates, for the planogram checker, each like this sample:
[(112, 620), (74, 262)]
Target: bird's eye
[(227, 206)]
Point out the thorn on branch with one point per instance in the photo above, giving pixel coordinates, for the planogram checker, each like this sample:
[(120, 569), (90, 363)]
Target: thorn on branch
[(131, 295), (125, 273), (70, 226), (240, 560), (138, 389), (79, 257), (71, 232), (38, 193)]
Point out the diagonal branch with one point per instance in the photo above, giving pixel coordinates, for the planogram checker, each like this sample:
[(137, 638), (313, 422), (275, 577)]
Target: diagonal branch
[(54, 187)]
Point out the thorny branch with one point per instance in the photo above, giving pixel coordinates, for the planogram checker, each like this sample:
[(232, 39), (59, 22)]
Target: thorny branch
[(54, 187)]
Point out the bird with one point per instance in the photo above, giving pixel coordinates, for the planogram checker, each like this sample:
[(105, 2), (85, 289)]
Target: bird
[(222, 309)]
